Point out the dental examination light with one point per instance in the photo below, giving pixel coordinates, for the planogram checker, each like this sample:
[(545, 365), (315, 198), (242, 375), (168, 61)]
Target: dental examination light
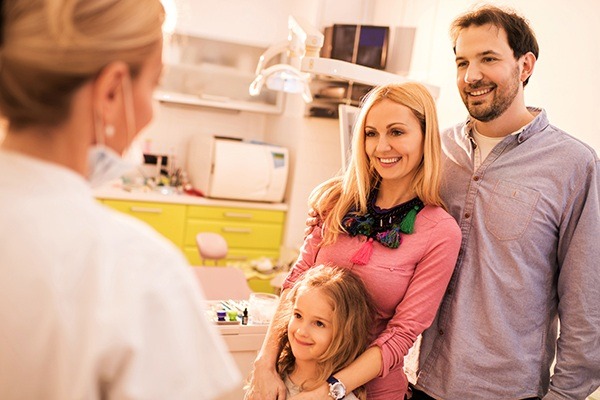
[(304, 45), (284, 78), (280, 77)]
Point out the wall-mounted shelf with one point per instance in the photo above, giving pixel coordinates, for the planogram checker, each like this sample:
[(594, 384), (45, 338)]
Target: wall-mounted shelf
[(329, 93), (213, 73), (215, 102)]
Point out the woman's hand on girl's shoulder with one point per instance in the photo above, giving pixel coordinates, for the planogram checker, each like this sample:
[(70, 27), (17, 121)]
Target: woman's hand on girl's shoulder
[(313, 220), (265, 385)]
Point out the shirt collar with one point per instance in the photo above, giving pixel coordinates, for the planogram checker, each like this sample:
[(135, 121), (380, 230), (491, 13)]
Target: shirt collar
[(538, 124)]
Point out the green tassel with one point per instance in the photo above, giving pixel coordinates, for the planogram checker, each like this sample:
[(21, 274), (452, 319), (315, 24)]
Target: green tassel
[(408, 222)]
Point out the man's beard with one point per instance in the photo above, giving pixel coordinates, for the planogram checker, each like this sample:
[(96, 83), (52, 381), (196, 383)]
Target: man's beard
[(501, 101)]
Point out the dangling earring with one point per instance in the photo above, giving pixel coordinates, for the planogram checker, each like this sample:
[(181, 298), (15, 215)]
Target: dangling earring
[(109, 130)]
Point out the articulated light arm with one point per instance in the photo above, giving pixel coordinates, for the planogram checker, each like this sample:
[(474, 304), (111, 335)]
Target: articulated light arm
[(305, 43), (306, 36), (311, 62), (283, 78), (279, 48), (355, 73)]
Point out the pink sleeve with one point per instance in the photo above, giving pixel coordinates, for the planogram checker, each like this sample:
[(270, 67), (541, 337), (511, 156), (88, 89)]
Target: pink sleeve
[(418, 308), (307, 257)]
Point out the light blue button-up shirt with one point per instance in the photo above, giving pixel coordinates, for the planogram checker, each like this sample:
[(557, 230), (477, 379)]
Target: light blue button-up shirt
[(530, 256)]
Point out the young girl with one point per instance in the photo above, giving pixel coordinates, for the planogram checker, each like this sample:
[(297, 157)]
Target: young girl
[(384, 220), (322, 328)]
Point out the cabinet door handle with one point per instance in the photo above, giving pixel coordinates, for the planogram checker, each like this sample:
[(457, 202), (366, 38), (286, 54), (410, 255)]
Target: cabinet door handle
[(237, 258), (237, 215), (147, 210), (236, 230)]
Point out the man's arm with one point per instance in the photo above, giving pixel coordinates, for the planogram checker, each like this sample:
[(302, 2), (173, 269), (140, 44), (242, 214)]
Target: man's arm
[(577, 370)]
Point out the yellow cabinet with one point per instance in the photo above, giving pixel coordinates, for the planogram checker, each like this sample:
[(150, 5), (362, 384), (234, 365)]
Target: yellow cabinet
[(250, 233), (233, 256), (168, 219)]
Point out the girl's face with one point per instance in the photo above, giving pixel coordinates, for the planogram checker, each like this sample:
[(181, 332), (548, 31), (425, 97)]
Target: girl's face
[(310, 329), (393, 141)]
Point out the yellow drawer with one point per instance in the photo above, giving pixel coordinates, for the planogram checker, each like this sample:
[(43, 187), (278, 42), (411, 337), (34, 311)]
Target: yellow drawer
[(235, 214), (261, 285), (233, 255), (237, 234), (168, 219)]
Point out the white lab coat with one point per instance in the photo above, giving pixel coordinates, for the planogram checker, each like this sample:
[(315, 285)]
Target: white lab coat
[(95, 304)]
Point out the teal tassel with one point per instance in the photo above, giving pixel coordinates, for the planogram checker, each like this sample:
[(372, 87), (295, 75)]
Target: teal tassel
[(408, 222)]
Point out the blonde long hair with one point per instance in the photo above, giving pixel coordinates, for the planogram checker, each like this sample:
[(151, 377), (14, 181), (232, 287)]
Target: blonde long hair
[(353, 319), (337, 196), (49, 48)]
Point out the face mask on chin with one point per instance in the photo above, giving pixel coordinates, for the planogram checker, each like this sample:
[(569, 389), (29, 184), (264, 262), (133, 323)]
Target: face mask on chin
[(106, 165)]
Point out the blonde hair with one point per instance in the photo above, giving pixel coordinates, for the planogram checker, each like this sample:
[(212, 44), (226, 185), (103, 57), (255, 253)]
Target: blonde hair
[(49, 48), (336, 197), (353, 318)]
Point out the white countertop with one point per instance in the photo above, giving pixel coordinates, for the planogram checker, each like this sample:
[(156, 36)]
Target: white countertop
[(233, 328), (115, 191), (243, 329)]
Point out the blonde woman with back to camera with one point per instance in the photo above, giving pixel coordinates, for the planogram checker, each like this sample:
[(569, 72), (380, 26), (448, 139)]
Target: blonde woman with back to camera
[(384, 220), (94, 304)]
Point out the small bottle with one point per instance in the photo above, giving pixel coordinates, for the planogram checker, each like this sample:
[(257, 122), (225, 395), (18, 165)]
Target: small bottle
[(245, 317)]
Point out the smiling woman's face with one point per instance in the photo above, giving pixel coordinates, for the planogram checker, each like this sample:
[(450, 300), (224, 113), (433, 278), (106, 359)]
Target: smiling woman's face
[(393, 141)]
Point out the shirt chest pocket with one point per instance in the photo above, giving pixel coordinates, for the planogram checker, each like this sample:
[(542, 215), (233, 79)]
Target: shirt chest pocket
[(391, 282), (509, 210)]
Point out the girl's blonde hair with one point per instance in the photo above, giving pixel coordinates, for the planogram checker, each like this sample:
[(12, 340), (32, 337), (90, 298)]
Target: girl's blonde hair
[(353, 317), (49, 48), (334, 198)]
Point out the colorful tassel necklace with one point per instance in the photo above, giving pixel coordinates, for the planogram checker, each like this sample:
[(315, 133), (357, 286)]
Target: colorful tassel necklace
[(384, 226)]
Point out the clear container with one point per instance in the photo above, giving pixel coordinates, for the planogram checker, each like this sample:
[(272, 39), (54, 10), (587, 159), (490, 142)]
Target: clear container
[(261, 307)]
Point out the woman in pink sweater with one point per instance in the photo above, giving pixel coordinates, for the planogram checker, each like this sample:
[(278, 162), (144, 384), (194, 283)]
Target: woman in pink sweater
[(384, 220)]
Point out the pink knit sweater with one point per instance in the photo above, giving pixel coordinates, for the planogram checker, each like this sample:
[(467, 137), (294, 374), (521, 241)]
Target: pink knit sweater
[(406, 284)]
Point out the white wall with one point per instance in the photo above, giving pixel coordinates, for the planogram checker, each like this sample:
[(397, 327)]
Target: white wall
[(565, 81), (313, 142), (173, 126), (262, 22), (240, 21), (314, 145)]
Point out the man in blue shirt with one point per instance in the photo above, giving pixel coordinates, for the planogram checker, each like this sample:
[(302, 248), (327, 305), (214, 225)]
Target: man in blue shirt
[(526, 196)]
